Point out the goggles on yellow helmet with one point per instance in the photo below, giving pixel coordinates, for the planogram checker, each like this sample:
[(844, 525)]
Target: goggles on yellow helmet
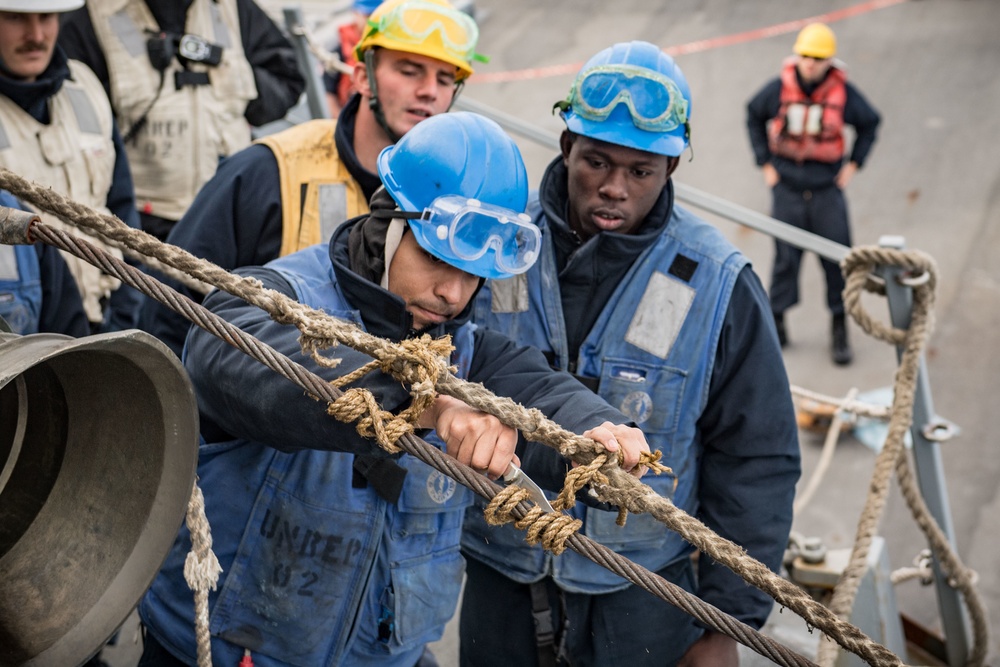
[(415, 22), (654, 101)]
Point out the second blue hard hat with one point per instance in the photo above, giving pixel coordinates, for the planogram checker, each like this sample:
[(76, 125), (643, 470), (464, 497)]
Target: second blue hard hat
[(463, 182), (631, 94)]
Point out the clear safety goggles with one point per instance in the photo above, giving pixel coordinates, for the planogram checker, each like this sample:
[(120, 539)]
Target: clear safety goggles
[(480, 237), (414, 22), (654, 101)]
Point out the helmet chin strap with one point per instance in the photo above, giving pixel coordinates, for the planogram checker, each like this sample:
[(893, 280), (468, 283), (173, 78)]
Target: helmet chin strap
[(373, 102)]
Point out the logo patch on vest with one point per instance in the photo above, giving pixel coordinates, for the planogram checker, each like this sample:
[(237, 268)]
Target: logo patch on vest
[(440, 487), (510, 295), (637, 406), (660, 315), (683, 267)]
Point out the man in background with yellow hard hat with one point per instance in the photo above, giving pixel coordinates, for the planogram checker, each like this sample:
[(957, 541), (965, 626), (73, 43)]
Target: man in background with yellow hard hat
[(292, 189), (796, 125)]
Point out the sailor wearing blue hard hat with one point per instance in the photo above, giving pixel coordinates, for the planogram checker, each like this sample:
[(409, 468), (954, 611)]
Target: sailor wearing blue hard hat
[(662, 316), (380, 558)]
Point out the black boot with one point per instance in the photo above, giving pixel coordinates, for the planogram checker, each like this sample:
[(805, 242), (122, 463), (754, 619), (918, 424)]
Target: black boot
[(779, 325), (840, 349)]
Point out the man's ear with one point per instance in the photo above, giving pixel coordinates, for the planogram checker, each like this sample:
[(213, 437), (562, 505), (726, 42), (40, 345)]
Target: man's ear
[(360, 79), (672, 163), (566, 140)]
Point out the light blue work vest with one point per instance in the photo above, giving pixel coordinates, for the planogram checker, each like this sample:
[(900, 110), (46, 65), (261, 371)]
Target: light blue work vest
[(322, 573), (20, 288), (653, 348)]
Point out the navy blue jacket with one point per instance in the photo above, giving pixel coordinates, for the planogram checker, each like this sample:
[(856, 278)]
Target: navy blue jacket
[(275, 411), (809, 175), (236, 220), (740, 424)]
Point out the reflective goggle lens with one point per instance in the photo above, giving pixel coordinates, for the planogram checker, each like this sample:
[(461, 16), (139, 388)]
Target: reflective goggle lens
[(653, 100), (481, 235), (416, 21)]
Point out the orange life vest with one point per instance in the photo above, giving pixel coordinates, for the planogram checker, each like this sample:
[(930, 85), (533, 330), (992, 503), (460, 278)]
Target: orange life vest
[(350, 35), (809, 127)]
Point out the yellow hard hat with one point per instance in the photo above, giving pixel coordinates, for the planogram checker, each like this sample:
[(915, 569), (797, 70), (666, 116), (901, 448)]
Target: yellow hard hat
[(432, 28), (816, 40)]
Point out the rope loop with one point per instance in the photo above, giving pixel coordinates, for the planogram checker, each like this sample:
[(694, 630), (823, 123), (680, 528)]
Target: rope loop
[(550, 529), (859, 266)]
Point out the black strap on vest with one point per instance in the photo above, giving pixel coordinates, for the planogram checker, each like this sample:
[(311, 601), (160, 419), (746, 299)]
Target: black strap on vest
[(385, 476), (593, 384), (545, 637), (183, 77)]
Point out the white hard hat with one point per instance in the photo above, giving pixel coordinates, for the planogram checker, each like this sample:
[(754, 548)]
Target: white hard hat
[(39, 6)]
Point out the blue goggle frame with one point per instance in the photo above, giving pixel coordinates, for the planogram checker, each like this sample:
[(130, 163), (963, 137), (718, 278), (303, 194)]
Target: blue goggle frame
[(654, 101)]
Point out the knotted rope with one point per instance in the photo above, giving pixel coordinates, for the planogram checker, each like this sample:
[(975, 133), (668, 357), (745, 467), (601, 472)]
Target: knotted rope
[(551, 529), (201, 571), (858, 266)]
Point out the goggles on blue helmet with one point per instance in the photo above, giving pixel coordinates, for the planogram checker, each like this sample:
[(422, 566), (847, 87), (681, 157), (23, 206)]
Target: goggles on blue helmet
[(654, 101), (482, 239)]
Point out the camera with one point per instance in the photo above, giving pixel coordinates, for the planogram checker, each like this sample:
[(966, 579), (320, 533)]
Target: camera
[(199, 50), (163, 47)]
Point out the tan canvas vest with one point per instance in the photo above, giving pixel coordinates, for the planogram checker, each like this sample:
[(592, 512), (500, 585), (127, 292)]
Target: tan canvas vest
[(74, 155), (317, 191), (186, 131)]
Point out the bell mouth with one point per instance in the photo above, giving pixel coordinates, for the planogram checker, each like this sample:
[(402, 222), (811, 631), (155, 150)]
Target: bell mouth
[(98, 450)]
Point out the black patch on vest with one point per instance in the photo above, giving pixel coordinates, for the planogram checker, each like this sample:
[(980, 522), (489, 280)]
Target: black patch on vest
[(683, 268)]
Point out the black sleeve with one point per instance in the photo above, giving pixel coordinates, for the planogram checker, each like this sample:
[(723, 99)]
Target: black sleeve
[(865, 119), (239, 397), (79, 41), (761, 109), (275, 70), (62, 309), (750, 458), (234, 221)]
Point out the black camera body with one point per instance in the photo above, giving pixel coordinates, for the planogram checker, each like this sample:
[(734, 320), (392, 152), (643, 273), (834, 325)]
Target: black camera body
[(163, 47), (199, 50)]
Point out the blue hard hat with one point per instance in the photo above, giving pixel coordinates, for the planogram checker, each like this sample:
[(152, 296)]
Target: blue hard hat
[(462, 181), (365, 7), (631, 94)]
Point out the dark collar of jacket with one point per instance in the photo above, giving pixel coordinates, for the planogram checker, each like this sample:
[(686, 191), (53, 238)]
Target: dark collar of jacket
[(33, 96), (614, 248), (383, 313), (170, 16), (344, 138)]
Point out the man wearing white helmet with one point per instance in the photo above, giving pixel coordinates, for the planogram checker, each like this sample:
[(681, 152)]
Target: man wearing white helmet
[(57, 129)]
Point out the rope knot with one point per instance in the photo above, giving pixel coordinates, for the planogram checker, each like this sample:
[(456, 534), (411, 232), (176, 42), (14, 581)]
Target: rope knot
[(551, 529)]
